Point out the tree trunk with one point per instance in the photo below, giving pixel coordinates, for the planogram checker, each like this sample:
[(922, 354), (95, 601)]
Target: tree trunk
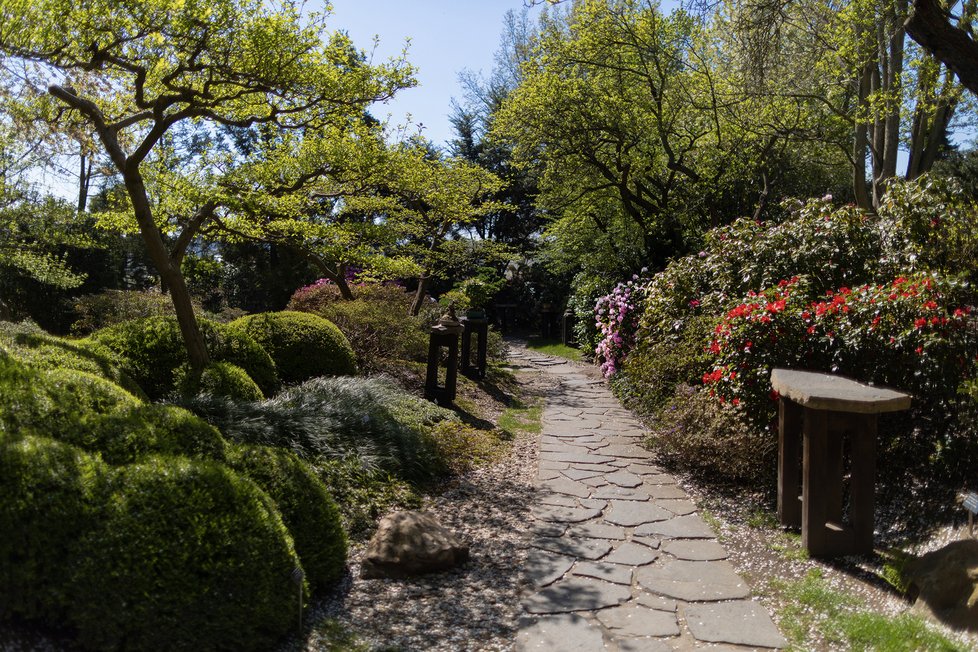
[(859, 145), (929, 26), (84, 181), (419, 295), (170, 274)]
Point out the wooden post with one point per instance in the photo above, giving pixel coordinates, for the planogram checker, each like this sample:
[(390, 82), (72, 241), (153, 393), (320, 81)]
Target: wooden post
[(789, 463), (814, 512), (863, 484)]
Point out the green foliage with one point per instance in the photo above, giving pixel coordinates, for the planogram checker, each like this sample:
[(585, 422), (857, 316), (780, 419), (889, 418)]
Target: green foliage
[(152, 351), (302, 345), (132, 433), (219, 379), (50, 499), (377, 322), (187, 556), (35, 348), (368, 418), (307, 509), (111, 307)]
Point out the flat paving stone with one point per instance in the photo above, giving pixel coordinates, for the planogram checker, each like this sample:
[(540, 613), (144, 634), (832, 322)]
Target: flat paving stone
[(647, 541), (636, 620), (576, 594), (680, 507), (681, 527), (558, 500), (547, 474), (658, 602), (552, 465), (596, 530), (576, 458), (694, 580), (565, 632), (620, 493), (665, 491), (740, 623), (645, 469), (631, 513), (624, 479), (580, 548), (596, 482), (581, 474), (600, 468), (632, 452), (593, 503), (644, 644), (543, 568), (555, 514), (695, 550), (660, 478), (601, 571), (632, 554), (566, 486), (543, 529)]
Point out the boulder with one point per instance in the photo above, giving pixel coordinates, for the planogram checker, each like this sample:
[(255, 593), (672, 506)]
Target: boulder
[(946, 584), (411, 543)]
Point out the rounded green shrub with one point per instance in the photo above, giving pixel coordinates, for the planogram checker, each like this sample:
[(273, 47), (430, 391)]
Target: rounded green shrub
[(35, 348), (152, 351), (219, 379), (306, 507), (188, 556), (131, 433), (50, 492), (302, 345)]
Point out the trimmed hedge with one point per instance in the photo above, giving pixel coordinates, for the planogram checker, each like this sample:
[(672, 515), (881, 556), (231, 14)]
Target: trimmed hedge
[(50, 492), (219, 379), (306, 507), (35, 348), (152, 350), (302, 345), (188, 556)]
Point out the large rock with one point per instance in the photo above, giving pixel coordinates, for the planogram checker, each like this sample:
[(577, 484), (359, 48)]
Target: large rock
[(412, 543), (946, 582)]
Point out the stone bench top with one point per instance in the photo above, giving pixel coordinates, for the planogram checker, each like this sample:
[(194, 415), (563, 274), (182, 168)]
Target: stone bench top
[(819, 391)]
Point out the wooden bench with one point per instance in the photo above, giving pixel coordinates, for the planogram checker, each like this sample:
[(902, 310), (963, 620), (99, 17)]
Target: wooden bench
[(817, 415)]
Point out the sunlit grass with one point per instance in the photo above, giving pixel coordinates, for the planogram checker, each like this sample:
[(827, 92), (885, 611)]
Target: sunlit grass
[(555, 348), (520, 418)]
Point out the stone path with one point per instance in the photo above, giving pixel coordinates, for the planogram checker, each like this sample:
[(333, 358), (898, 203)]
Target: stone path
[(619, 559)]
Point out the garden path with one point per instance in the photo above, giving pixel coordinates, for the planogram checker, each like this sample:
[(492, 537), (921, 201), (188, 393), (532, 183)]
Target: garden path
[(619, 559)]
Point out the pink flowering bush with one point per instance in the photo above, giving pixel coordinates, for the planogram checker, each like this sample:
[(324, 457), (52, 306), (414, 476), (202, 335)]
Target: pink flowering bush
[(616, 316)]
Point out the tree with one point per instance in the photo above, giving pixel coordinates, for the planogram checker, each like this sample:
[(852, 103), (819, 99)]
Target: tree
[(929, 25), (159, 64)]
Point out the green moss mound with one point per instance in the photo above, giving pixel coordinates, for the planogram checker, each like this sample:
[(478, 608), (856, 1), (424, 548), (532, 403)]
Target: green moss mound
[(302, 345), (49, 494), (188, 556), (152, 351), (132, 433), (33, 347), (219, 379), (307, 508)]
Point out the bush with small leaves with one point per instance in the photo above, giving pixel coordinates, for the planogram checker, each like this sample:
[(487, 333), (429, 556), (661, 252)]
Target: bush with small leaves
[(152, 350), (218, 379), (302, 345), (188, 555), (306, 507), (50, 498)]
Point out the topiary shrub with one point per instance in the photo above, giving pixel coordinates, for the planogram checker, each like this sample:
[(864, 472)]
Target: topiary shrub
[(40, 350), (188, 556), (50, 496), (302, 345), (152, 350), (132, 433), (219, 379), (306, 507)]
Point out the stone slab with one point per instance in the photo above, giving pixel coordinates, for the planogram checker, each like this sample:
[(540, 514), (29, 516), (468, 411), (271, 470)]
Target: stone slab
[(695, 550), (554, 514), (581, 474), (552, 465), (679, 507), (666, 491), (820, 391), (636, 620), (644, 644), (580, 548), (547, 474), (543, 568), (741, 623), (566, 632), (632, 452), (620, 493), (632, 554), (631, 513), (566, 486), (576, 458), (576, 594), (624, 479), (558, 500), (594, 483), (644, 469), (647, 541), (600, 570), (658, 602), (596, 530), (694, 580), (680, 527), (543, 529)]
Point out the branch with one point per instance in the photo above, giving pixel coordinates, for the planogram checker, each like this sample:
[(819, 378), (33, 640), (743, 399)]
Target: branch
[(930, 27)]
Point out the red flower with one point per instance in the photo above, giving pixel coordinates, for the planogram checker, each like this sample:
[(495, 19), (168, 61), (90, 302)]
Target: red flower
[(930, 305), (736, 401), (919, 350), (774, 395), (919, 323)]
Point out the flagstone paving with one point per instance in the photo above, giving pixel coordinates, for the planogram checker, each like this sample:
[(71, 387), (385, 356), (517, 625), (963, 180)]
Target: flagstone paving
[(619, 559)]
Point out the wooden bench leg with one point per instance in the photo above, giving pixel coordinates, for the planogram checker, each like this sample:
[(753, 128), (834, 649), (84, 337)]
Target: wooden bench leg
[(814, 510), (789, 467), (863, 484)]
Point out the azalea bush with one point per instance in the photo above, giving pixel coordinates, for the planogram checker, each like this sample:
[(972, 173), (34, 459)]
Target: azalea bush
[(617, 317)]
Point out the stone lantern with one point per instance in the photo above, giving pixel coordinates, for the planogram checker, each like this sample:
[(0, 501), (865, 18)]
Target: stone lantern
[(444, 335), (479, 327)]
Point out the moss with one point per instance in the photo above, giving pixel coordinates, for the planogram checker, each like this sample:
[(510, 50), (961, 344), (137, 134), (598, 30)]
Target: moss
[(219, 379)]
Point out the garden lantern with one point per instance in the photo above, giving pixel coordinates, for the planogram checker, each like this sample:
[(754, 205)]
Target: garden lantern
[(546, 320), (444, 334), (480, 328), (567, 328)]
